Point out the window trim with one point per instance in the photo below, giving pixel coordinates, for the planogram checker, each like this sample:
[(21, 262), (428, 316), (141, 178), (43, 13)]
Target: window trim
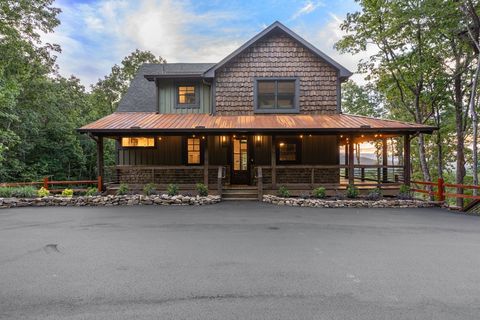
[(296, 101), (196, 105), (298, 150), (185, 151), (139, 147)]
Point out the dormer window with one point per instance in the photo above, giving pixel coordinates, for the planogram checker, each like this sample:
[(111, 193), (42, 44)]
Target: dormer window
[(187, 96), (276, 95)]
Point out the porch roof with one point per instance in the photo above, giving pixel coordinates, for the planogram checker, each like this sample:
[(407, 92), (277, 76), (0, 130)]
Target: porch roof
[(151, 122)]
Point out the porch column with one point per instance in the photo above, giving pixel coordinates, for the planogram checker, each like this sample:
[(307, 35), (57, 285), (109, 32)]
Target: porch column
[(100, 163), (406, 159), (274, 163), (205, 161), (351, 153), (384, 160), (346, 159)]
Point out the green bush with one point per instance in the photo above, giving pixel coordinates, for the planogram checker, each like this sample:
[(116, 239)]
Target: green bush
[(6, 192), (202, 189), (42, 192), (149, 189), (92, 191), (122, 189), (283, 192), (172, 189), (319, 193), (24, 192), (67, 193), (374, 194), (352, 191), (404, 192)]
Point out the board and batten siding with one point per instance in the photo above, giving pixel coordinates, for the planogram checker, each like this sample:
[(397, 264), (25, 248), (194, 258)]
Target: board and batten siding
[(167, 151), (167, 98)]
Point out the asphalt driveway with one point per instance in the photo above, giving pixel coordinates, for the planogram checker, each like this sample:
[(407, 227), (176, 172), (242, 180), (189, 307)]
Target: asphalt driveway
[(238, 261)]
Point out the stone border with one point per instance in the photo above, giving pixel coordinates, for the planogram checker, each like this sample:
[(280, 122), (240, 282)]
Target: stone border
[(348, 203), (110, 200)]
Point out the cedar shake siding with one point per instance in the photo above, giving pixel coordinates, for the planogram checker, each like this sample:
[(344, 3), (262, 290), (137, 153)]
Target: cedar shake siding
[(276, 55)]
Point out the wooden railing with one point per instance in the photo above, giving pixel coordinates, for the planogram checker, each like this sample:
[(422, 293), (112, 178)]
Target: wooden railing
[(439, 188), (48, 184)]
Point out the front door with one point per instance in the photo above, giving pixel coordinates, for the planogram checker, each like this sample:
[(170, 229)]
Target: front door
[(240, 166)]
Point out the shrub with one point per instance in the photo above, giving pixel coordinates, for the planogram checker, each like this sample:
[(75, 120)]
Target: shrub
[(283, 192), (172, 189), (67, 193), (202, 189), (352, 191), (149, 189), (6, 192), (24, 192), (42, 192), (122, 189), (319, 192), (404, 192), (92, 191), (374, 194)]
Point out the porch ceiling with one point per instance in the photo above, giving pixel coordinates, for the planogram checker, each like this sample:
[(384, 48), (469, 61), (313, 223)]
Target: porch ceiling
[(144, 122)]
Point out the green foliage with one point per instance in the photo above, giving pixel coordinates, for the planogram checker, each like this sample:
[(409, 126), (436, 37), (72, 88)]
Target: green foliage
[(24, 192), (202, 189), (319, 193), (42, 192), (122, 189), (92, 191), (6, 192), (352, 192), (283, 192), (149, 189), (67, 193), (374, 194), (172, 189), (404, 192)]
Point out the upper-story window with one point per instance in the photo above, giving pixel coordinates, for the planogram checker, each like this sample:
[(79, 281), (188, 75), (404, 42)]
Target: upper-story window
[(276, 95), (187, 96)]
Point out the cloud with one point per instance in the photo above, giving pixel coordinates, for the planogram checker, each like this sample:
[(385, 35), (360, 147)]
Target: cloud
[(307, 8)]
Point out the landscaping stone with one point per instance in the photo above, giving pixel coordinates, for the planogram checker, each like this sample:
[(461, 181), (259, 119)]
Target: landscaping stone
[(110, 200), (348, 203)]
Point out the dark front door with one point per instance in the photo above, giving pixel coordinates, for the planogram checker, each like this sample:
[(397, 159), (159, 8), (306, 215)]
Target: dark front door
[(240, 163)]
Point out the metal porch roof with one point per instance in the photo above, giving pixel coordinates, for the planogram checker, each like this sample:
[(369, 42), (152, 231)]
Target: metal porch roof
[(181, 123)]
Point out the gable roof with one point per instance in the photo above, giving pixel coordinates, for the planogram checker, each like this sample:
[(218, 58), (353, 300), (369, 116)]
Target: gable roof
[(344, 73)]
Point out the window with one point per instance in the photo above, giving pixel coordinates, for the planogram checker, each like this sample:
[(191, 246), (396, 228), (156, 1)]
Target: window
[(138, 142), (187, 96), (193, 151), (276, 95), (288, 150)]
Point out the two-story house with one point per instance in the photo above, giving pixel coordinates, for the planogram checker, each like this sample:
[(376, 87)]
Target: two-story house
[(270, 111)]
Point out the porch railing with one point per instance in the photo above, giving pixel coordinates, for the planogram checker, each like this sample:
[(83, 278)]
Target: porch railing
[(49, 184)]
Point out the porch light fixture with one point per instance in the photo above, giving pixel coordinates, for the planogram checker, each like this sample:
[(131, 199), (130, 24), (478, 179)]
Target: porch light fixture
[(258, 140), (159, 138), (301, 136), (203, 137), (281, 144), (223, 141)]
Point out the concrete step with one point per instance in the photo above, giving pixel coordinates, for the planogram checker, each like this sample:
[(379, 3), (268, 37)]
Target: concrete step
[(239, 199), (240, 195)]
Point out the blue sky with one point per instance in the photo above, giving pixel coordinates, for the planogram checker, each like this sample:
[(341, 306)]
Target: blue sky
[(95, 34)]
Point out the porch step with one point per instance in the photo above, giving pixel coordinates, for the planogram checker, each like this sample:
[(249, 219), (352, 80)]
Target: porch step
[(240, 193)]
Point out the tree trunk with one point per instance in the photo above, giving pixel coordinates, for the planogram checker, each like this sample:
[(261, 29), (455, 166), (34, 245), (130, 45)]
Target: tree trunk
[(460, 134)]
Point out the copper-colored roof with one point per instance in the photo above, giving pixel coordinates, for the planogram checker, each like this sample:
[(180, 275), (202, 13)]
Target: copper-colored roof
[(153, 122)]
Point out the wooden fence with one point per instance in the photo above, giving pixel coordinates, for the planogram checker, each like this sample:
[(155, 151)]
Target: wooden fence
[(49, 184), (439, 189)]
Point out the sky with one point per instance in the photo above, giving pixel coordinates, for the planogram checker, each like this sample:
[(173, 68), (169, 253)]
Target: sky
[(96, 34)]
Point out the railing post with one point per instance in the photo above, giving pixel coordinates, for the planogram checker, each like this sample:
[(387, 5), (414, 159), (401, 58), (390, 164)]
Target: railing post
[(441, 190), (45, 183), (99, 184), (260, 184), (312, 178), (219, 181)]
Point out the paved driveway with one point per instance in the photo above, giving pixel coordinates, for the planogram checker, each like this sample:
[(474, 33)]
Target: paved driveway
[(238, 261)]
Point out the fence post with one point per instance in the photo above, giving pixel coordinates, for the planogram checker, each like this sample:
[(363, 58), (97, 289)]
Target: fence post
[(99, 184), (45, 183), (441, 190)]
